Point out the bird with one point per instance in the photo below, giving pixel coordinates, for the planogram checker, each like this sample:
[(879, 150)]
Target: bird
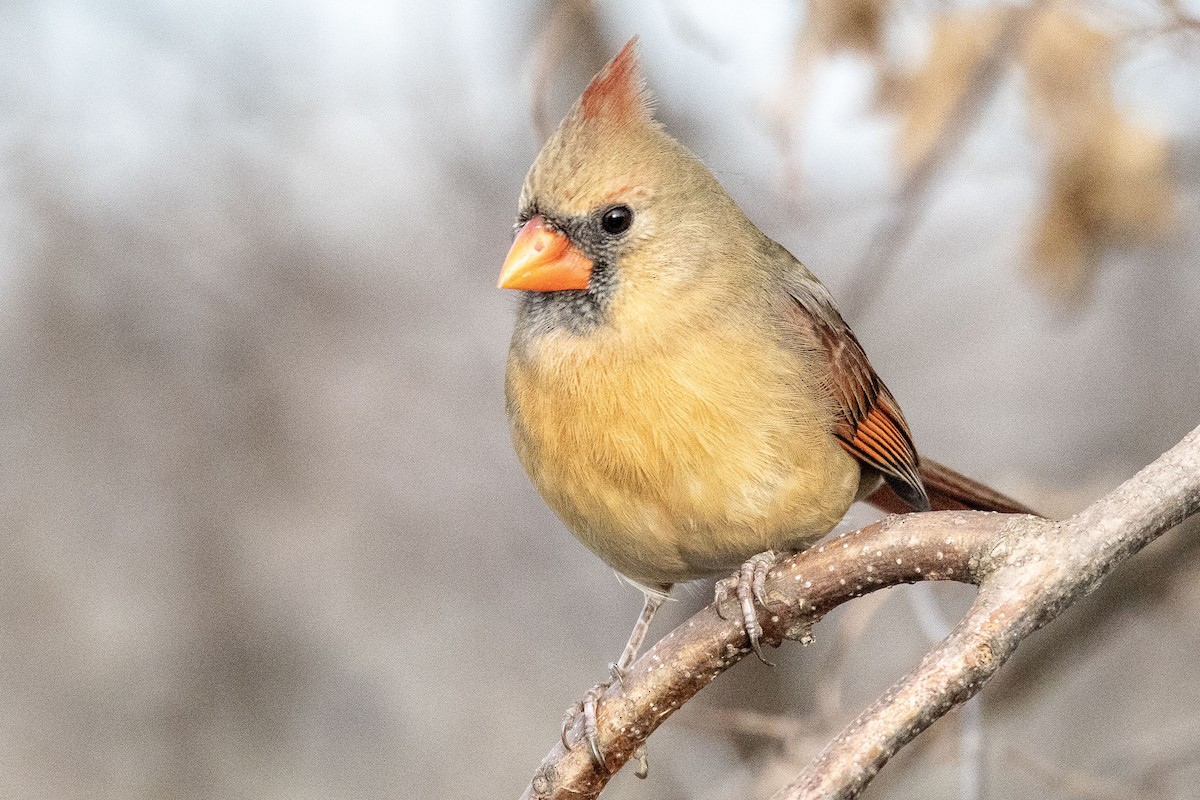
[(681, 389)]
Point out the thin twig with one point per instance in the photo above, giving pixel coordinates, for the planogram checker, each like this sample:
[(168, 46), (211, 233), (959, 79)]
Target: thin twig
[(851, 627), (935, 626), (549, 49), (1075, 784), (914, 195), (752, 723)]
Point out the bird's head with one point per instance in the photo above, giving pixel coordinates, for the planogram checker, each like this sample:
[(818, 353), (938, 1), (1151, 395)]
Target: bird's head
[(613, 206)]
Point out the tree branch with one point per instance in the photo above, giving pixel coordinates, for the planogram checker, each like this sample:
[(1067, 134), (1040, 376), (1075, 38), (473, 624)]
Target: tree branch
[(1028, 571)]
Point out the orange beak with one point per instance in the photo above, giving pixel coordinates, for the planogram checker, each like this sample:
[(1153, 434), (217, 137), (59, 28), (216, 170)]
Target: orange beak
[(544, 260)]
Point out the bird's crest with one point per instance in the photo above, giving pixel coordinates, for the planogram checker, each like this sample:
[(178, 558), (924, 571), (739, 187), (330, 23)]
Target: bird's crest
[(618, 93)]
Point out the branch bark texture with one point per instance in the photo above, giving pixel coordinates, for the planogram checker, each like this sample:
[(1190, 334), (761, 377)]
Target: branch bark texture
[(1028, 570)]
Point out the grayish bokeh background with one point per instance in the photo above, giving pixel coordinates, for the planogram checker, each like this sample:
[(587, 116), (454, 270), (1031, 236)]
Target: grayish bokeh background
[(264, 534)]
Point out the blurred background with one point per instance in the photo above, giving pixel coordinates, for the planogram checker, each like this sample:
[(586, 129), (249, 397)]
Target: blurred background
[(264, 535)]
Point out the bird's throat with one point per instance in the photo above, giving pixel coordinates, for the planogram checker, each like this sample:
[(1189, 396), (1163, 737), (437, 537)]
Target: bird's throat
[(575, 311)]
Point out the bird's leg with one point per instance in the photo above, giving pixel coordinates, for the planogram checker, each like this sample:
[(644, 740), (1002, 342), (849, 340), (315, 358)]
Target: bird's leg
[(591, 699), (637, 636), (749, 584)]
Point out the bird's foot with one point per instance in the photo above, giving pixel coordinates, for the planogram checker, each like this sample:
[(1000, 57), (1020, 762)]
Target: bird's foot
[(587, 709), (748, 584)]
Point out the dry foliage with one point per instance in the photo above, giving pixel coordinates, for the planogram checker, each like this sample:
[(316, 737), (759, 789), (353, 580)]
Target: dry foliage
[(1107, 178), (960, 42), (847, 25)]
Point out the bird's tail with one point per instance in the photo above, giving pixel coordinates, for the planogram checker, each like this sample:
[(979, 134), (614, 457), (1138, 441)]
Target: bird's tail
[(948, 491)]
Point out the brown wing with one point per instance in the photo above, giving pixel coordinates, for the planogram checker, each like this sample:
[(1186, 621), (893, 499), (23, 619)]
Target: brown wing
[(870, 425)]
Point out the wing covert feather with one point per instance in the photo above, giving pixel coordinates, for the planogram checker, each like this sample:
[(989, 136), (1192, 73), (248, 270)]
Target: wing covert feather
[(870, 425)]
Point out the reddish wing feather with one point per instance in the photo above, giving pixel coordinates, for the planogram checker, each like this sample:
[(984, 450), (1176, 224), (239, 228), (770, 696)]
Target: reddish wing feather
[(870, 425)]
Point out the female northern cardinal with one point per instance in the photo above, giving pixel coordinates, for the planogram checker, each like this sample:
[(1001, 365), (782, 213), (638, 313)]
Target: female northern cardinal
[(682, 390)]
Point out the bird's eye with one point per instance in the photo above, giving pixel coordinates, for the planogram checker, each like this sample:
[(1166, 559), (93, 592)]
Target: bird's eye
[(617, 219)]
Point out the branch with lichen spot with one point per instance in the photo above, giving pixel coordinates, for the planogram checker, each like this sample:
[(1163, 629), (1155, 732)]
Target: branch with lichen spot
[(1028, 571)]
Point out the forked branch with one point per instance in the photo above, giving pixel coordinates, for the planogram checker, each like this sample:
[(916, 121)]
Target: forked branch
[(1028, 571)]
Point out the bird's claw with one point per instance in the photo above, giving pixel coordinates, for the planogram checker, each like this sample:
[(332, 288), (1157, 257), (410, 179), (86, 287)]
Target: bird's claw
[(568, 722), (749, 585), (587, 708), (618, 675)]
